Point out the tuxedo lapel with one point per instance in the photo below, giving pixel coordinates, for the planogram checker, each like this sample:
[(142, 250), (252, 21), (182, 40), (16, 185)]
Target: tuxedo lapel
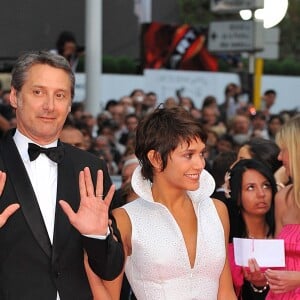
[(67, 189), (25, 193)]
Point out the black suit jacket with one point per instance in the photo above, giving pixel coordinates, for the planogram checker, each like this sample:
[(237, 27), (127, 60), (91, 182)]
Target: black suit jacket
[(32, 268)]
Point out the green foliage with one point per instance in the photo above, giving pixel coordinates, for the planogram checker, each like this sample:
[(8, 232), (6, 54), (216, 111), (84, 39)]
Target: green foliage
[(288, 66), (126, 65), (223, 66), (195, 12), (110, 65), (113, 65)]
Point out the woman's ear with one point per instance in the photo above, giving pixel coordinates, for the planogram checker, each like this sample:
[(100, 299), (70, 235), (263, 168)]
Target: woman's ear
[(155, 159)]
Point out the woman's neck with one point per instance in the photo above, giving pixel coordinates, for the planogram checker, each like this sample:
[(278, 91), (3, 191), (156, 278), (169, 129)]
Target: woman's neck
[(257, 228)]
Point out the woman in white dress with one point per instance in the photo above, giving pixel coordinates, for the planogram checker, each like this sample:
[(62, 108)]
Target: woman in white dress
[(174, 236)]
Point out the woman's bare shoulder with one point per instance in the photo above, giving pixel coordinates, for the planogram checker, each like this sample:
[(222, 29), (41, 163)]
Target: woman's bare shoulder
[(220, 206), (221, 210)]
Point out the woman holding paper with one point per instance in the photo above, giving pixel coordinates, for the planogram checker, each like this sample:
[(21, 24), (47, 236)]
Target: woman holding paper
[(285, 284), (250, 188)]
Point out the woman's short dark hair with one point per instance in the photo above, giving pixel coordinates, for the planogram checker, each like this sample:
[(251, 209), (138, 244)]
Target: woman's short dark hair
[(237, 223), (163, 130)]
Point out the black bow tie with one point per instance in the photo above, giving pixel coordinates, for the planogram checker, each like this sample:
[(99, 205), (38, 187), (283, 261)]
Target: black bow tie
[(54, 153)]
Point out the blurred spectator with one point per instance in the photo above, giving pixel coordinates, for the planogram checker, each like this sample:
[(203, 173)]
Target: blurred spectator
[(4, 122), (188, 104), (221, 164), (101, 118), (211, 101), (66, 45), (273, 125), (170, 102), (102, 148), (263, 150), (210, 120), (6, 110), (77, 110), (225, 143), (87, 137), (118, 116), (125, 193), (268, 101), (115, 112), (127, 103), (150, 102), (130, 145), (232, 103), (110, 104), (117, 149), (211, 146), (1, 89), (240, 128), (73, 136), (7, 114), (138, 96), (89, 122), (131, 122), (259, 125)]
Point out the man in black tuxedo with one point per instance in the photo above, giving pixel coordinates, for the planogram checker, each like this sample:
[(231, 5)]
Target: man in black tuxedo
[(54, 214)]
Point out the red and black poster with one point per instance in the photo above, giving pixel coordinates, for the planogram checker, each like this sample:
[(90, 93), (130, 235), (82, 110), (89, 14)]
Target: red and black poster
[(181, 47)]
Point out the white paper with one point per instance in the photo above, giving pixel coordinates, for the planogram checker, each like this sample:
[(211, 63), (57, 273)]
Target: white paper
[(268, 253)]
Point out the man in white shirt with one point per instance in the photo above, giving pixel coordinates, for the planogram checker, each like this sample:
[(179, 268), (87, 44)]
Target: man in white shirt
[(57, 218)]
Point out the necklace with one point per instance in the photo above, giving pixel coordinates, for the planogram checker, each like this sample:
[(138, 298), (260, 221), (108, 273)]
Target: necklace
[(260, 238), (265, 236)]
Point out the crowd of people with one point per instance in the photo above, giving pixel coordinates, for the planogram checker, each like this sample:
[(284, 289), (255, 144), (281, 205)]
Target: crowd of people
[(159, 235), (111, 133)]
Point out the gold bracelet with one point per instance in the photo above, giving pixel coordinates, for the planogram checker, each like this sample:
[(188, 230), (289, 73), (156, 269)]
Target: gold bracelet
[(256, 290)]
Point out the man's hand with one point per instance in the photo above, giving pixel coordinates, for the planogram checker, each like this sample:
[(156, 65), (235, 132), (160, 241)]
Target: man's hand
[(92, 215), (8, 211)]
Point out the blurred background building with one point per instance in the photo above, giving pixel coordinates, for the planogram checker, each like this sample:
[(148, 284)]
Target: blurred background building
[(133, 41), (34, 24)]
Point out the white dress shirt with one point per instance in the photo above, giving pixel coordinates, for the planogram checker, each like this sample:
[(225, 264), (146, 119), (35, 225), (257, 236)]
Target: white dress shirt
[(43, 176)]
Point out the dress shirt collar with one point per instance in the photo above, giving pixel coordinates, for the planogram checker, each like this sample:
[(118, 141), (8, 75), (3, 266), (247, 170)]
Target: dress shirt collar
[(22, 144)]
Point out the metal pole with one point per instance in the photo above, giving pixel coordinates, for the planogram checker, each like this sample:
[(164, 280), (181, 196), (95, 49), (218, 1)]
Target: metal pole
[(259, 65), (251, 62), (93, 55)]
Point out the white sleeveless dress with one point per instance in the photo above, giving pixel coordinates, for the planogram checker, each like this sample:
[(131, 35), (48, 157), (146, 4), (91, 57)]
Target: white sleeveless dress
[(159, 267)]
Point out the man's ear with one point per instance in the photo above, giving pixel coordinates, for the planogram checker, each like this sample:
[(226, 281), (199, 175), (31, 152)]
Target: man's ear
[(155, 159), (13, 97)]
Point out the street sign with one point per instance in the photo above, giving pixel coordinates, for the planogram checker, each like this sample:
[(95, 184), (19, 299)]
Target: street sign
[(235, 36), (230, 6), (271, 44)]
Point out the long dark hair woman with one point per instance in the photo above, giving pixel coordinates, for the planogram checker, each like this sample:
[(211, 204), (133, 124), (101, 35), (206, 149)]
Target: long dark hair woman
[(250, 188)]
